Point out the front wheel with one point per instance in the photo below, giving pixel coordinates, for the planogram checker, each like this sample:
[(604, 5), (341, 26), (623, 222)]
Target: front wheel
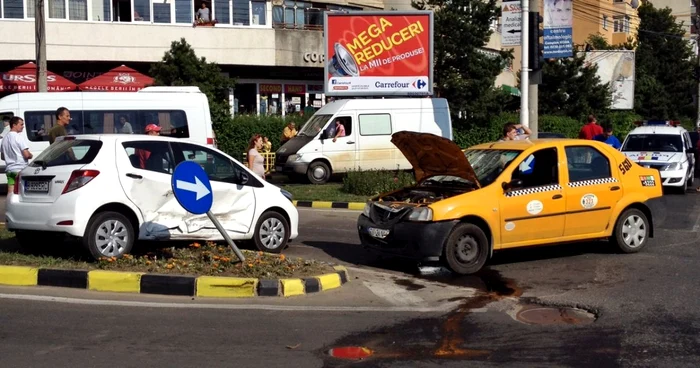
[(109, 234), (467, 249), (271, 232), (318, 172), (631, 231)]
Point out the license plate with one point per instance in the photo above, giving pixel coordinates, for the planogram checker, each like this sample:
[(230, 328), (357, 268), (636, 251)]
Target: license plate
[(378, 233), (36, 186)]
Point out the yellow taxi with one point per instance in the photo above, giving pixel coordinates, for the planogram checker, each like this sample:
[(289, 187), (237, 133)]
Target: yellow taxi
[(493, 196)]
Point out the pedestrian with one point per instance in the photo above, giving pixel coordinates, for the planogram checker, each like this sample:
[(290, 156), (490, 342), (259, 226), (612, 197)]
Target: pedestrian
[(591, 129), (609, 138), (515, 132), (288, 133), (62, 121), (15, 152), (255, 160)]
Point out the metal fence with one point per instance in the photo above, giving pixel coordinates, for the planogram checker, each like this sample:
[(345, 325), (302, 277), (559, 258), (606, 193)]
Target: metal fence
[(269, 163)]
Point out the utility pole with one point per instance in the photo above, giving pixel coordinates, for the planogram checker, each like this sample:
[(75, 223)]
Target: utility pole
[(697, 46), (40, 44), (524, 68), (534, 80)]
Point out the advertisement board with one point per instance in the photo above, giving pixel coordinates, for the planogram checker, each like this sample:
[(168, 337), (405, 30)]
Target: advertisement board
[(386, 53), (617, 68), (558, 24)]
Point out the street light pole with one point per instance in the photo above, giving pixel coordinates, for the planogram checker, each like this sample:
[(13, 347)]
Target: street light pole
[(40, 44), (533, 91), (524, 68)]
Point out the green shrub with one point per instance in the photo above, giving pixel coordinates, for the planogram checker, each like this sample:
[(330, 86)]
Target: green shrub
[(373, 182)]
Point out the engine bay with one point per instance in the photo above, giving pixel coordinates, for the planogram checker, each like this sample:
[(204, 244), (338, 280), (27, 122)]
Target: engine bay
[(422, 195)]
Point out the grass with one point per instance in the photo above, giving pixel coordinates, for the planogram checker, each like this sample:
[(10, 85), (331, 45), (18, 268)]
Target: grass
[(200, 259), (332, 192)]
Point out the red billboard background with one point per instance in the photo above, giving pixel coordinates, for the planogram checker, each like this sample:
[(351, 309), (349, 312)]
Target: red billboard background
[(383, 45)]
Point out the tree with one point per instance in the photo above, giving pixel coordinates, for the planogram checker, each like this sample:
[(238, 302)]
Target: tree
[(464, 75), (181, 67), (598, 42), (572, 88), (664, 83)]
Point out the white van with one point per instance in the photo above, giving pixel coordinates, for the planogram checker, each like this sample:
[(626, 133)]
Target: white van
[(181, 112), (369, 124)]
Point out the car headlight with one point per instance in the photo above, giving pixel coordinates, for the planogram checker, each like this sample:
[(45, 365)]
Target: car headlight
[(297, 157), (287, 194), (421, 214), (673, 166), (365, 211)]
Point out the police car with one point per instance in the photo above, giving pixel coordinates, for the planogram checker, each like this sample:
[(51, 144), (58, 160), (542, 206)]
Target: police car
[(663, 145)]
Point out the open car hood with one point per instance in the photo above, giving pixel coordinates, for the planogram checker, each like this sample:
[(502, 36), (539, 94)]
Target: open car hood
[(432, 155)]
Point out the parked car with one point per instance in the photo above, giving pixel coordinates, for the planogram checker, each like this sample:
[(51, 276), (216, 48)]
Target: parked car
[(509, 194), (112, 189)]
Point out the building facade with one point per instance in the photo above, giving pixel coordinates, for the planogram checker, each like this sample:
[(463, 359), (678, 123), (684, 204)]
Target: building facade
[(273, 48)]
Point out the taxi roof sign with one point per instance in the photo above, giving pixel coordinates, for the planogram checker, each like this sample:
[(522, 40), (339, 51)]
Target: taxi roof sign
[(673, 123)]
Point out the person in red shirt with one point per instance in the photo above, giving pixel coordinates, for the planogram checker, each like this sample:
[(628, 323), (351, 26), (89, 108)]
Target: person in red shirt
[(591, 129), (143, 155)]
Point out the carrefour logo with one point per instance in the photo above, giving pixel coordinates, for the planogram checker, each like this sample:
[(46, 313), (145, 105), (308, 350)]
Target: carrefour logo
[(419, 84)]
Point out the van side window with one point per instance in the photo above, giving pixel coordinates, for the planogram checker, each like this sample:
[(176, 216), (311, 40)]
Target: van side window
[(375, 124), (5, 118), (173, 123), (347, 123)]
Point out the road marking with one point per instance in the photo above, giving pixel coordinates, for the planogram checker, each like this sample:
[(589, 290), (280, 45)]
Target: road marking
[(394, 294), (446, 307)]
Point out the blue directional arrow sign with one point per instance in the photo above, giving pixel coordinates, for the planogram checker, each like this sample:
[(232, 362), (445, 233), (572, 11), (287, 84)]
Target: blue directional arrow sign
[(528, 165), (191, 187)]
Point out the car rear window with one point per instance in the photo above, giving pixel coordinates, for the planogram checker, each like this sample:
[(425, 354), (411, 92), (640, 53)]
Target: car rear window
[(653, 142), (68, 152)]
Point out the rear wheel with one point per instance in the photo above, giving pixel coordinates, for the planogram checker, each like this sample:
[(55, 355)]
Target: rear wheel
[(109, 234), (631, 231), (467, 249)]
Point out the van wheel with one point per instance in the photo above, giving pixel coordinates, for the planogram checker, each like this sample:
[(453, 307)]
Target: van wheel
[(467, 249), (631, 231), (109, 234), (271, 232), (318, 172)]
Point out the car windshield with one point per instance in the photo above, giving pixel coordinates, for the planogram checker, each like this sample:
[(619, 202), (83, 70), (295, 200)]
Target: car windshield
[(314, 125), (489, 163), (68, 152), (653, 142)]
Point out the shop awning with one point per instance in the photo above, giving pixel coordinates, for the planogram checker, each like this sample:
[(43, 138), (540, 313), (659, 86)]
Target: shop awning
[(119, 79), (23, 79), (512, 90)]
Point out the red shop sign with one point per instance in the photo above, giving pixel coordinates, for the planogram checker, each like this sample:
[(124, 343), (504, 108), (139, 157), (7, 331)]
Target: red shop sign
[(270, 88), (294, 88)]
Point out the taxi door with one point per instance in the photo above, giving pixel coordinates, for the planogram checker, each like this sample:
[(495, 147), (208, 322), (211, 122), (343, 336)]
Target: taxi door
[(532, 205), (592, 190)]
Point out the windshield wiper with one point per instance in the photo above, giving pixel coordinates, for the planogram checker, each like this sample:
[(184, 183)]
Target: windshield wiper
[(43, 163)]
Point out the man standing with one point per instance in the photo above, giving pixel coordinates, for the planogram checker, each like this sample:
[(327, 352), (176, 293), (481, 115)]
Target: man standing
[(15, 152), (609, 138), (288, 133), (62, 121), (591, 129)]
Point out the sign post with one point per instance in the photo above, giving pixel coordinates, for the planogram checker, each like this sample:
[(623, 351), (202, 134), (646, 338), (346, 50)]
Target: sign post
[(192, 190)]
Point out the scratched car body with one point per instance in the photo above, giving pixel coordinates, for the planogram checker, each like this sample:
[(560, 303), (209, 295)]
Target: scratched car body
[(495, 196), (112, 189)]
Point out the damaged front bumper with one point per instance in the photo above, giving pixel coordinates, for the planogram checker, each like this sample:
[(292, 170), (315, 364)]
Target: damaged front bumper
[(415, 240)]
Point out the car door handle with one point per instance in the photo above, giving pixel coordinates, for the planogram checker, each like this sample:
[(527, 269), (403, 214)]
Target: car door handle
[(351, 142), (134, 176), (614, 188), (557, 196)]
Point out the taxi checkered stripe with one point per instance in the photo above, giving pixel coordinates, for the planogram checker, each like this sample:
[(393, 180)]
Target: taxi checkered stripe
[(584, 183), (544, 188)]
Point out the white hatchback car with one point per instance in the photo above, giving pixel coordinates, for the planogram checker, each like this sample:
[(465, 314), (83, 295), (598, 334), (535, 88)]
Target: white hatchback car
[(112, 189)]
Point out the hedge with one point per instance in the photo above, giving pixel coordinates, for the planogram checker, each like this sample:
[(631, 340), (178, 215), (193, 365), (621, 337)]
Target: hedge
[(374, 182), (233, 137)]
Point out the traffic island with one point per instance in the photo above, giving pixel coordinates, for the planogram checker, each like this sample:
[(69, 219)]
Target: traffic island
[(199, 270)]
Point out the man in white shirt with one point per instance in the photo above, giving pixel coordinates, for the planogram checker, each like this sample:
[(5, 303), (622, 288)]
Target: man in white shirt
[(15, 152)]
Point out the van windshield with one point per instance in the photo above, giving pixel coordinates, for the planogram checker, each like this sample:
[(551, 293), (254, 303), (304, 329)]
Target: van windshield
[(68, 152), (314, 125)]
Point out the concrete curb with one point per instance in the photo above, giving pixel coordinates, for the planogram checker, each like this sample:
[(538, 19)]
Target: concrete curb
[(355, 206), (144, 283)]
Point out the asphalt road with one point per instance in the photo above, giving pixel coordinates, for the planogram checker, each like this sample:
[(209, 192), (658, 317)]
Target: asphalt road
[(634, 310)]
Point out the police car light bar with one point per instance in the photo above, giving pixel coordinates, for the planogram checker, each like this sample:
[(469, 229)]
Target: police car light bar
[(673, 123)]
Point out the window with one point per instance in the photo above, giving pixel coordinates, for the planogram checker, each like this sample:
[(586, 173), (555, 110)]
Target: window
[(241, 12), (586, 163), (13, 9), (346, 121), (57, 9), (221, 11), (173, 123), (605, 22), (621, 24), (142, 10), (184, 12), (150, 155), (297, 14), (31, 8), (375, 124), (653, 142), (68, 152), (489, 164), (538, 169), (101, 10), (259, 11), (218, 167), (161, 13)]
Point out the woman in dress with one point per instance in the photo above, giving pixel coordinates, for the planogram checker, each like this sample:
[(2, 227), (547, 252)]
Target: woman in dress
[(255, 160)]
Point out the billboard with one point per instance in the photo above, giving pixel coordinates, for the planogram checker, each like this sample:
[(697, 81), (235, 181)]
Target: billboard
[(617, 68), (558, 22), (384, 53)]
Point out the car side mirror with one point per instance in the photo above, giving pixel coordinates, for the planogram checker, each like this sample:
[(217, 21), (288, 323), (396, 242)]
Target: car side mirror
[(323, 135), (515, 183), (242, 179), (692, 150)]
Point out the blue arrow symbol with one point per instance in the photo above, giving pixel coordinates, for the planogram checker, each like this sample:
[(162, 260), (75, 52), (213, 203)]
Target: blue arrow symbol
[(525, 166), (198, 187)]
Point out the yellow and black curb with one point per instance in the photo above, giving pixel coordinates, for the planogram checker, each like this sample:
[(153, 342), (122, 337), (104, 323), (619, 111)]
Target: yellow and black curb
[(357, 206), (139, 282)]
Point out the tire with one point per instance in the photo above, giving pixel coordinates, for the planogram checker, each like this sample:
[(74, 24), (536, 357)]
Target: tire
[(634, 218), (472, 259), (271, 232), (318, 172), (112, 224)]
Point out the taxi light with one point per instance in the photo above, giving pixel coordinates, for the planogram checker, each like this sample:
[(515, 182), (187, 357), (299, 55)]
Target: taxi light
[(78, 179)]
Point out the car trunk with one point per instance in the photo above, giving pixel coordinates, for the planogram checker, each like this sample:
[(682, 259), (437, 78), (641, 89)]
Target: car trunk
[(39, 185)]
